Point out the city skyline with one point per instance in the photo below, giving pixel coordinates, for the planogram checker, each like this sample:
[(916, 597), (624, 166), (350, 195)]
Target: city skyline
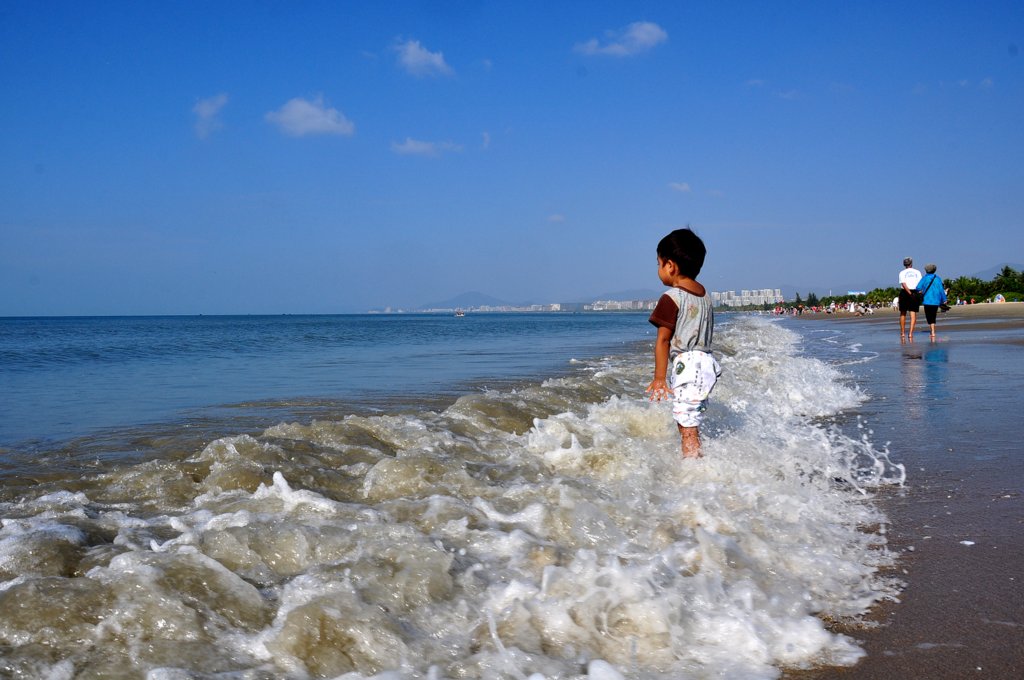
[(731, 298)]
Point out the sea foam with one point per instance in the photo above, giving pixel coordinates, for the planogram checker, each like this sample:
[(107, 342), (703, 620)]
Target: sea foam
[(548, 531)]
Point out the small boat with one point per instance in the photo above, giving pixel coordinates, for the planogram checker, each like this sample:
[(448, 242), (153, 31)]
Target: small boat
[(459, 312)]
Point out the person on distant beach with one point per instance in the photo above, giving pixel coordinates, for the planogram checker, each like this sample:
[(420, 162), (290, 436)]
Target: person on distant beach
[(908, 302), (686, 323), (934, 295)]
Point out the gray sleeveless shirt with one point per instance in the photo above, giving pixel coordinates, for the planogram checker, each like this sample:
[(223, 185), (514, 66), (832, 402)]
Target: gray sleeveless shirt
[(695, 322)]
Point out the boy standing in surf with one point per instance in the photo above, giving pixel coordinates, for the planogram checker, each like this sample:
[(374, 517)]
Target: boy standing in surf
[(686, 323)]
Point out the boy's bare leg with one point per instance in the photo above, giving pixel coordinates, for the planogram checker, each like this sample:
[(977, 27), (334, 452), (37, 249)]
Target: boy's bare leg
[(913, 322), (691, 441), (903, 326)]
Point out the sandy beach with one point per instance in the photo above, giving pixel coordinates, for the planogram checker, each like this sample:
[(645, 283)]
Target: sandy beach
[(984, 313), (959, 522)]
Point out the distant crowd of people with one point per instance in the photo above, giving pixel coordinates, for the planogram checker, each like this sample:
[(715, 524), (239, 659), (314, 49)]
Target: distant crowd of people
[(852, 307)]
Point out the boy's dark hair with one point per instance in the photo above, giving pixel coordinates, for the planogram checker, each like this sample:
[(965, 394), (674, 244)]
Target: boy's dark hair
[(684, 248)]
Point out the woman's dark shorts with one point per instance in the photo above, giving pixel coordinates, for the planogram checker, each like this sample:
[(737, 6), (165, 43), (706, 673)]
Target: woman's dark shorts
[(929, 313), (908, 302)]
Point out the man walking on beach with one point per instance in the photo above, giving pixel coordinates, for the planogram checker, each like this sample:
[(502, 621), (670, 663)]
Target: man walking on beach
[(908, 302)]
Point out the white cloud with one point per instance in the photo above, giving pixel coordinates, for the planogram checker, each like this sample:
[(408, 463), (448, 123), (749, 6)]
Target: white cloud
[(419, 61), (301, 117), (681, 187), (415, 147), (556, 218), (207, 112), (757, 82), (638, 37), (986, 84), (486, 143)]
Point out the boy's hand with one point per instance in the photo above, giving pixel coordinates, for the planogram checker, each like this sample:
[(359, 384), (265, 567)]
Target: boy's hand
[(659, 390)]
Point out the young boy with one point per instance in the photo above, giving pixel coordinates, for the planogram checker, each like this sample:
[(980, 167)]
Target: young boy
[(685, 322)]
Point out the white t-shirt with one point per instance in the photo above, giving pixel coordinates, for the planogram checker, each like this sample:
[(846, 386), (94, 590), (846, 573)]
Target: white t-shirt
[(910, 276)]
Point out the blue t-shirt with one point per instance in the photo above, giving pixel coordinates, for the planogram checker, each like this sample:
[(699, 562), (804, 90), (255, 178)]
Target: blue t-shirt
[(934, 295)]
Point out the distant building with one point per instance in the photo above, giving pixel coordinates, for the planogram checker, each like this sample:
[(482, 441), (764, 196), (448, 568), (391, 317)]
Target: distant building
[(621, 305), (757, 297)]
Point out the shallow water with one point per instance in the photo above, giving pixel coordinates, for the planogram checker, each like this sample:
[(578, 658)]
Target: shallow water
[(945, 410), (548, 529)]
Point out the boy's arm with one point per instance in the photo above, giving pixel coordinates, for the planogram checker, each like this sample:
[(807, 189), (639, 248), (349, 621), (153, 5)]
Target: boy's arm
[(659, 388)]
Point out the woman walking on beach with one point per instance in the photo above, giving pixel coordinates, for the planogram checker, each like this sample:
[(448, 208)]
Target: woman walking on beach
[(908, 302), (934, 295)]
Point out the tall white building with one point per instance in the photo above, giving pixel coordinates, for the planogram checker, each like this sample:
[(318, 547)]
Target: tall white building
[(760, 296)]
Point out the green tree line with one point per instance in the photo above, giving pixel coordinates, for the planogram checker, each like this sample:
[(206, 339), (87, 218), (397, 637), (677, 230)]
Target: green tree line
[(1009, 282)]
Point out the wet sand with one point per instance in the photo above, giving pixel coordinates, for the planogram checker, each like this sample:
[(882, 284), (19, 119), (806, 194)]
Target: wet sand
[(984, 313), (959, 523)]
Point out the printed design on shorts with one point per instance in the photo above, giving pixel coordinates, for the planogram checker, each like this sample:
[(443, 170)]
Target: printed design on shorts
[(680, 367)]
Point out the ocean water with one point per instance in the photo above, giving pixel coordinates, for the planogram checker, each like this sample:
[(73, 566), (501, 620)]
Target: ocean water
[(496, 500), (67, 377)]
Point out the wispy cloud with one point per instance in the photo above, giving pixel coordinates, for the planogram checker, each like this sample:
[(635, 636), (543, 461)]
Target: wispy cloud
[(756, 82), (556, 218), (416, 147), (681, 187), (638, 37), (301, 117), (485, 140), (986, 83), (419, 61), (208, 115)]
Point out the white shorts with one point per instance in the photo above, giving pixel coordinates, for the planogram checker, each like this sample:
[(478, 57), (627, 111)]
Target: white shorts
[(692, 377)]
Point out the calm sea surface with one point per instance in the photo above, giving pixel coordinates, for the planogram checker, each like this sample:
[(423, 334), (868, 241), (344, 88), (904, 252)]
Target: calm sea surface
[(71, 377)]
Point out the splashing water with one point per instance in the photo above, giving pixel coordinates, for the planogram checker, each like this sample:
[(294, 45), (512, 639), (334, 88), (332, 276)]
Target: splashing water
[(551, 531)]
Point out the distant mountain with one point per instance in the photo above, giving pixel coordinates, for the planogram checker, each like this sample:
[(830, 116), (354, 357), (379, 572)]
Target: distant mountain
[(470, 299), (635, 294), (474, 299), (991, 272)]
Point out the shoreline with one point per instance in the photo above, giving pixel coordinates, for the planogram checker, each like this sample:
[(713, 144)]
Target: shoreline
[(959, 522), (981, 310)]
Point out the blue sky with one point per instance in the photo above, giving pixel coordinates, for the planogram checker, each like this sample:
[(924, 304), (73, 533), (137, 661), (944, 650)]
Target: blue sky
[(266, 157)]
